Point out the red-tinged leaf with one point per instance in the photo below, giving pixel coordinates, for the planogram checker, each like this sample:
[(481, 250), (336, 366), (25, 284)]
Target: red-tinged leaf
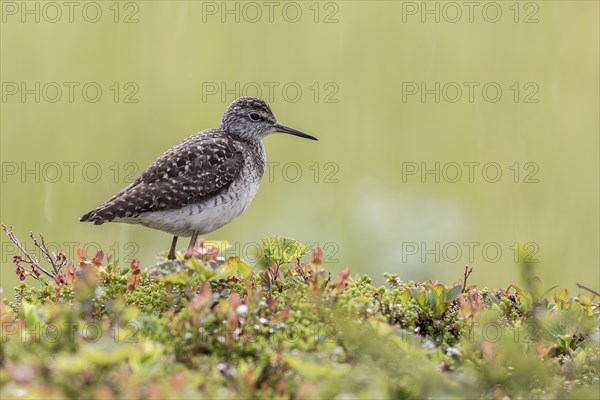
[(272, 302), (109, 257), (7, 315), (57, 279), (487, 349), (248, 376), (232, 325), (316, 256), (202, 299), (284, 315), (136, 275), (265, 280), (342, 279), (212, 252), (282, 386), (81, 255), (544, 348), (97, 260), (204, 251), (135, 265), (246, 338), (234, 300), (70, 273)]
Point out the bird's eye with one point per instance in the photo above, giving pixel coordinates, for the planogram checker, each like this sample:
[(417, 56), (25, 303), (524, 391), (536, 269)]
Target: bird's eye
[(254, 116)]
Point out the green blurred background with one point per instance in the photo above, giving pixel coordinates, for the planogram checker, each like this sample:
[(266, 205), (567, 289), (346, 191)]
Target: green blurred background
[(347, 73)]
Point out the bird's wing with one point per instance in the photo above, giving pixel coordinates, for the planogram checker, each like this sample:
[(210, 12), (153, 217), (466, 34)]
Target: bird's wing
[(193, 170)]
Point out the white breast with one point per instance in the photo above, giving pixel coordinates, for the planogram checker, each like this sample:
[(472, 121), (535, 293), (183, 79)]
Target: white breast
[(210, 214)]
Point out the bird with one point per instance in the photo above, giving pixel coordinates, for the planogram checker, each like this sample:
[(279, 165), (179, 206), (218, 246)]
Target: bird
[(202, 183)]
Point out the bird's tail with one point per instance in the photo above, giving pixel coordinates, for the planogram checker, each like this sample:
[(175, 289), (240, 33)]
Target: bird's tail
[(92, 216)]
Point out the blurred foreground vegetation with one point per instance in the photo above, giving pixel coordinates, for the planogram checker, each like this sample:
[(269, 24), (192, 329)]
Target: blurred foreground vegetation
[(214, 328)]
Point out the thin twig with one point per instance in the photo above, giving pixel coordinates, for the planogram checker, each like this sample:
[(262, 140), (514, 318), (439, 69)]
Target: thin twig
[(14, 239), (29, 260), (580, 286), (468, 271), (43, 249), (57, 261)]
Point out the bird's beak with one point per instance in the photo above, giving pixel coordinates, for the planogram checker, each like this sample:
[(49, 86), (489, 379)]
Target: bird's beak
[(291, 131)]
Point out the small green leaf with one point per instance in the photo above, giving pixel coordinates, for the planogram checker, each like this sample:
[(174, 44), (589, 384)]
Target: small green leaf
[(583, 300), (203, 271), (280, 250), (225, 271), (438, 289), (30, 314), (495, 299), (422, 299), (179, 278), (562, 295), (405, 296), (440, 308), (454, 292), (415, 294), (527, 299), (518, 289), (432, 299), (547, 292), (243, 269)]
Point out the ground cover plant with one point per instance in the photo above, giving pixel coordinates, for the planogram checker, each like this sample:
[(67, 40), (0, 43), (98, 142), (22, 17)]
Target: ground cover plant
[(210, 327)]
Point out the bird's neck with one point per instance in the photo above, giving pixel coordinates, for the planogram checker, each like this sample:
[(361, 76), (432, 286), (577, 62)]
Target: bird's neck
[(255, 154)]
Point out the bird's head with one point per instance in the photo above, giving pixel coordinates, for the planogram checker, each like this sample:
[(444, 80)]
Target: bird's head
[(251, 118)]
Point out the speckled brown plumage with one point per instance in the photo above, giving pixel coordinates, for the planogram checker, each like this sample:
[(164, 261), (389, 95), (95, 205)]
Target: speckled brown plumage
[(188, 173), (202, 183)]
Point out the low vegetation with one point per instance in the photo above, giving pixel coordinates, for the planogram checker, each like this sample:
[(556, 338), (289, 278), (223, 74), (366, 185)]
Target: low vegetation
[(214, 328)]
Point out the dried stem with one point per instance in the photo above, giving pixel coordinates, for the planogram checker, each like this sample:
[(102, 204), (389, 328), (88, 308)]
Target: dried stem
[(468, 271), (57, 261), (580, 286)]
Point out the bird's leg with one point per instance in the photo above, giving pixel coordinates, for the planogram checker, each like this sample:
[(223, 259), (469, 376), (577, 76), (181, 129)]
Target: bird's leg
[(171, 255), (190, 248)]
